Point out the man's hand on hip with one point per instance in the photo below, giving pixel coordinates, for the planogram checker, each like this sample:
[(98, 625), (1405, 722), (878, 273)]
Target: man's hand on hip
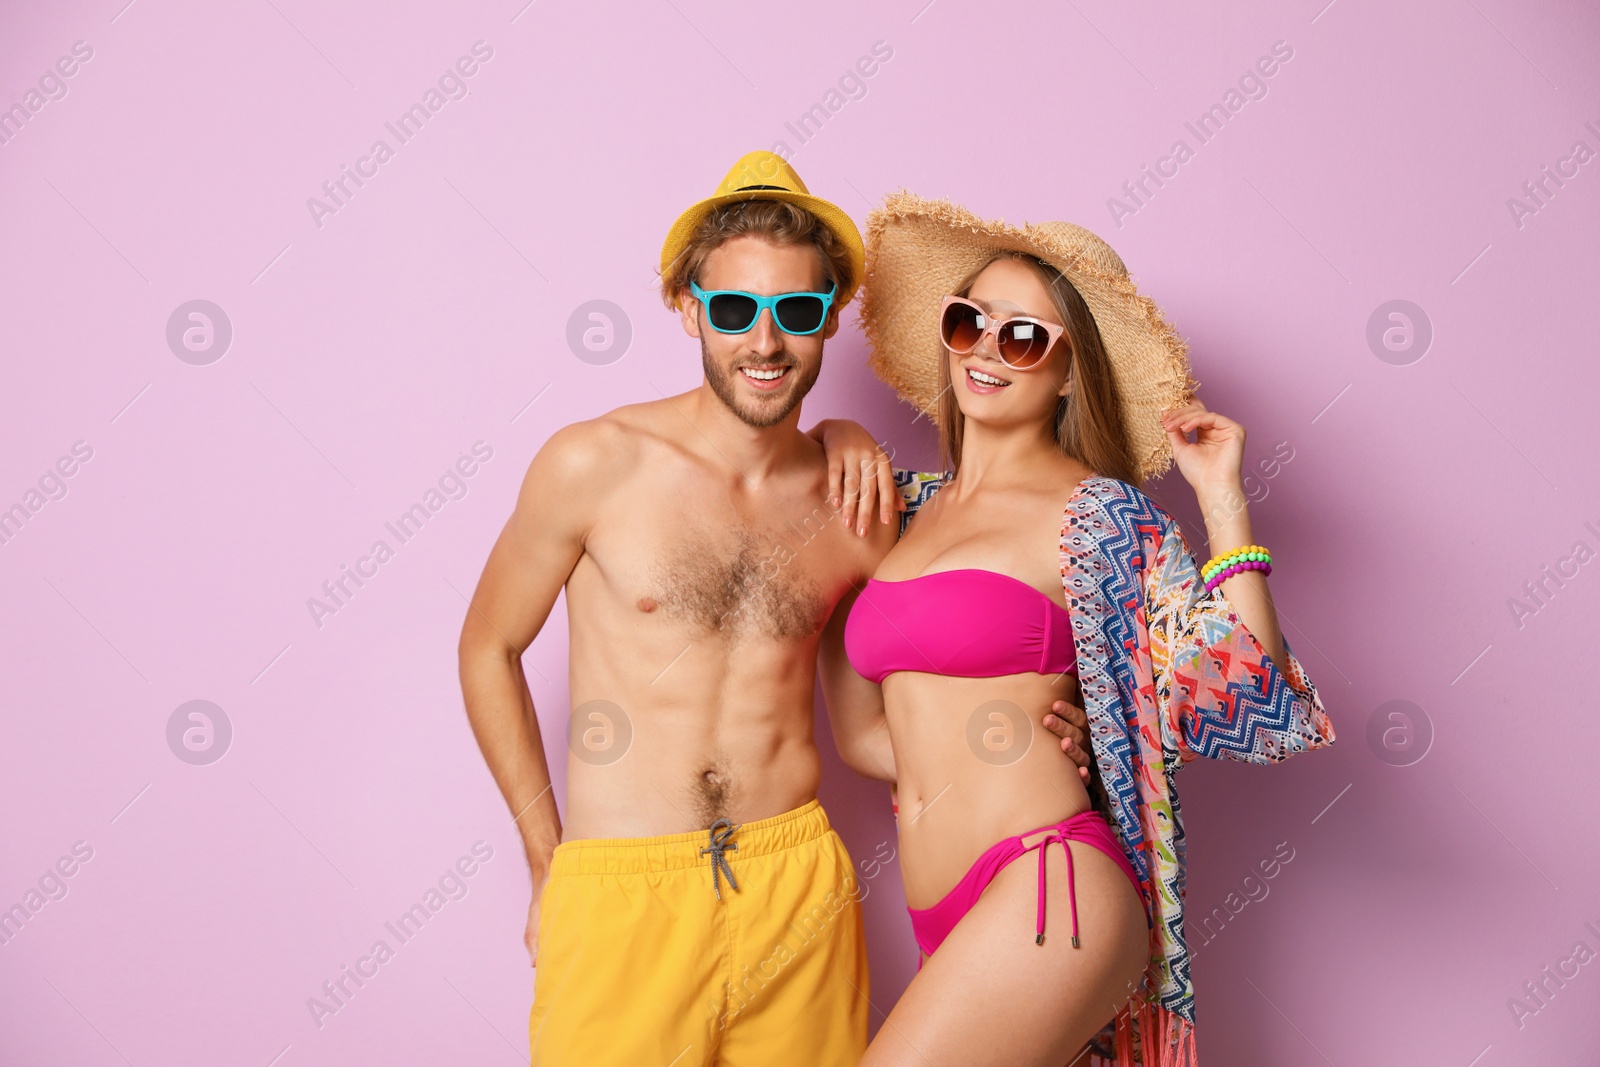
[(1070, 724), (530, 936)]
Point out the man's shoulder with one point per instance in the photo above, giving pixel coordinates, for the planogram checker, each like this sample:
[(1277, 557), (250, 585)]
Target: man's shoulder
[(610, 443), (585, 449)]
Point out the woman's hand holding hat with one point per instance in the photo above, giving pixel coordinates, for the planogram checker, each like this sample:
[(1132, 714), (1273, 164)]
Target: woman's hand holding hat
[(1213, 462)]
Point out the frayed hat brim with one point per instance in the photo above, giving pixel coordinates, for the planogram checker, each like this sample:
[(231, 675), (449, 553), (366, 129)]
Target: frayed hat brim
[(918, 250)]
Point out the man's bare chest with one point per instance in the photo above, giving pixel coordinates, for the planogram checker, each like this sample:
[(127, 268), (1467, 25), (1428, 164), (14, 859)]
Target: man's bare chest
[(729, 576)]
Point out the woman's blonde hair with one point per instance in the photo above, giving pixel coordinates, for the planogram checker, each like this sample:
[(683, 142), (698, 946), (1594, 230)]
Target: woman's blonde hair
[(1088, 423)]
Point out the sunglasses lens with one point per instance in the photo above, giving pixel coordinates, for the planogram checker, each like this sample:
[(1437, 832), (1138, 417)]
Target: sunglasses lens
[(800, 314), (961, 327), (732, 313), (1023, 344)]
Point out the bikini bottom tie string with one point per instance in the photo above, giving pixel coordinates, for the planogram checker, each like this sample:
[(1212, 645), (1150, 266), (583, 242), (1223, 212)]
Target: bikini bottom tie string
[(1072, 897)]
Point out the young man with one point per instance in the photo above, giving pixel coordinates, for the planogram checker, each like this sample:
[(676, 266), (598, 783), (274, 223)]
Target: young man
[(696, 907)]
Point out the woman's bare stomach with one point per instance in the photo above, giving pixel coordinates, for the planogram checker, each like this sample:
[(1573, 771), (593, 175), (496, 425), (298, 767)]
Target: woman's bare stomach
[(975, 766)]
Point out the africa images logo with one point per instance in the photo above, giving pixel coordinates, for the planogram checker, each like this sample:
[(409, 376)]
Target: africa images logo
[(1252, 85), (452, 85)]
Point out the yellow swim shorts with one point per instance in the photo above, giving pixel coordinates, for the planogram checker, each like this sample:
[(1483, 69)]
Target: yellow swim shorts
[(738, 945)]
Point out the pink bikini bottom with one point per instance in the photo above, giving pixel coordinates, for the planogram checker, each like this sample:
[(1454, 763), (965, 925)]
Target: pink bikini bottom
[(932, 925)]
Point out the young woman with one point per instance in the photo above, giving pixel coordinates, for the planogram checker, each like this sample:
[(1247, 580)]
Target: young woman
[(1036, 570)]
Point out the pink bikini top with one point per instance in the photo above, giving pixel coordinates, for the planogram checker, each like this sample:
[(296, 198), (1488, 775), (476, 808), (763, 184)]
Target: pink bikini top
[(966, 623)]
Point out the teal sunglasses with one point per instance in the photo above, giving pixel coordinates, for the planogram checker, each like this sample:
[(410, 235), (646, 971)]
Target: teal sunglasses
[(735, 311)]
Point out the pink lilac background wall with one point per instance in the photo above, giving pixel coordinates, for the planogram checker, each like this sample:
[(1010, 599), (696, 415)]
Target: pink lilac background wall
[(1384, 255)]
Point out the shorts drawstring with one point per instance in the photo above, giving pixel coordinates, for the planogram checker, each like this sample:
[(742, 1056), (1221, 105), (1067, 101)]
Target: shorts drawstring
[(719, 862)]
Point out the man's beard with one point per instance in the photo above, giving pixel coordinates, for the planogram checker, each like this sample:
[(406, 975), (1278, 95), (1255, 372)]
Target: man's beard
[(760, 414)]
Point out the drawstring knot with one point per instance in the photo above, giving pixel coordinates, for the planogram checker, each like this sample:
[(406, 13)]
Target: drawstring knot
[(719, 862)]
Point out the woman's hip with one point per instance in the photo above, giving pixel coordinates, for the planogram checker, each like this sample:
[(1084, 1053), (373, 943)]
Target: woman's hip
[(1082, 852)]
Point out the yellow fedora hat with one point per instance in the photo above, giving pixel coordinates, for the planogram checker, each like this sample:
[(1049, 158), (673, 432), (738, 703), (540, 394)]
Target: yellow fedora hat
[(768, 176)]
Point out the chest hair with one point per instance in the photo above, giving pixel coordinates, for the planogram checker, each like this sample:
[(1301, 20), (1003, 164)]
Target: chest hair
[(735, 584)]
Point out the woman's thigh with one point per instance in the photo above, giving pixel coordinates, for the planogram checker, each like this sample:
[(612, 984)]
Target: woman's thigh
[(990, 995)]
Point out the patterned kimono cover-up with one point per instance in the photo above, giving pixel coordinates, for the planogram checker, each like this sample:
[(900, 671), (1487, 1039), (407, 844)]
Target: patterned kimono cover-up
[(1168, 672)]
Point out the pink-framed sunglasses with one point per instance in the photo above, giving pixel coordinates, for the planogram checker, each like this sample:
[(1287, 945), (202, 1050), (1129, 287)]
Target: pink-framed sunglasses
[(1021, 342)]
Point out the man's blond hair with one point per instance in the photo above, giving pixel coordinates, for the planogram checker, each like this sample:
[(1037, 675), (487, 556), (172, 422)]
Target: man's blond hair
[(777, 221)]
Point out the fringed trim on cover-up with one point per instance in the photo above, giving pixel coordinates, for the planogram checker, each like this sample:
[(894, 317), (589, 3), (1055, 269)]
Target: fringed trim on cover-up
[(1143, 1035)]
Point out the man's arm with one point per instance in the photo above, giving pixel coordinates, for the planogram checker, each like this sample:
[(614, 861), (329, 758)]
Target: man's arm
[(528, 566), (855, 705)]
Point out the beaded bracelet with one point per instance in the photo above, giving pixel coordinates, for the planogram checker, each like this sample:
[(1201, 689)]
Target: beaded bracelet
[(1244, 553), (1245, 558)]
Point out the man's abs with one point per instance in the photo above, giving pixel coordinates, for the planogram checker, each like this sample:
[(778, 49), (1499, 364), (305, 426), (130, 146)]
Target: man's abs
[(694, 634), (685, 767)]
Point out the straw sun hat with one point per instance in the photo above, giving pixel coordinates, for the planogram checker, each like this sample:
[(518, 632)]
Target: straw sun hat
[(917, 251)]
